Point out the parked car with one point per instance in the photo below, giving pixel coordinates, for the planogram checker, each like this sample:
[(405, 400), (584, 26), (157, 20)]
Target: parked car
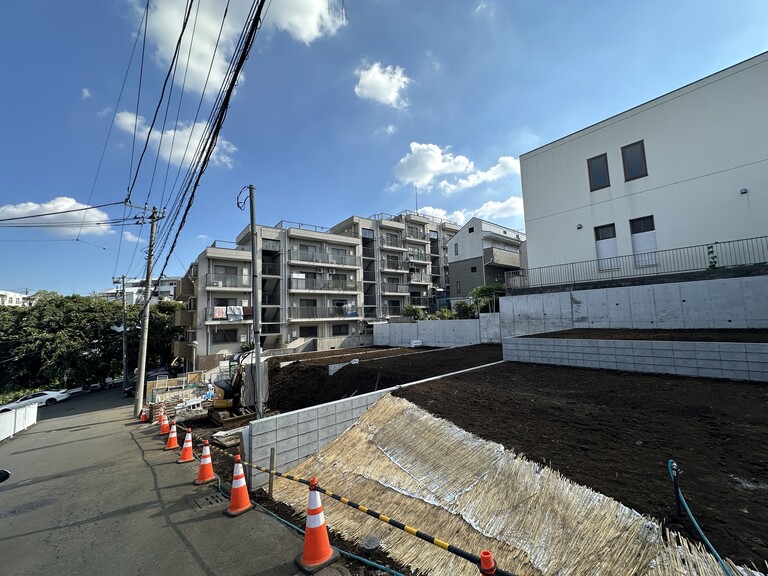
[(46, 397)]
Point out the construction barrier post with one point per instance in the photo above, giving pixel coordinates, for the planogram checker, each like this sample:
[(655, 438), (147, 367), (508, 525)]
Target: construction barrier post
[(487, 563), (317, 552)]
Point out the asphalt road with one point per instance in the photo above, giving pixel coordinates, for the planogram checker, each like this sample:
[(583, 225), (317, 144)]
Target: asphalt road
[(93, 492)]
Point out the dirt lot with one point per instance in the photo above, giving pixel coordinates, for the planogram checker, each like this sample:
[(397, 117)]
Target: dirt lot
[(612, 431)]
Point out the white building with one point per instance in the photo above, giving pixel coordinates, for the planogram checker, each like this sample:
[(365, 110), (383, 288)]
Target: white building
[(688, 168), (480, 254), (8, 298), (164, 289)]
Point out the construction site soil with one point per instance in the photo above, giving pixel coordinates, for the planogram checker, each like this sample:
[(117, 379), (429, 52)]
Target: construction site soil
[(612, 431)]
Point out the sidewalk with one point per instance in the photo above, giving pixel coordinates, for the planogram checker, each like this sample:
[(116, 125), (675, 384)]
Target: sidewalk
[(92, 491)]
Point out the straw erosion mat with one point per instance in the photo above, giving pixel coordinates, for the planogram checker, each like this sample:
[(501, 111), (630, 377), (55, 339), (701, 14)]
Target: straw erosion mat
[(615, 431)]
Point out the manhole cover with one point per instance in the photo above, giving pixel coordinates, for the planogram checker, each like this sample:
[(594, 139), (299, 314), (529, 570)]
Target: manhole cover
[(215, 499)]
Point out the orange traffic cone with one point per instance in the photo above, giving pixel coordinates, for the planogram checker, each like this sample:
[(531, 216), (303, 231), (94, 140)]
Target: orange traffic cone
[(239, 501), (186, 451), (205, 473), (173, 442), (143, 416), (160, 413), (487, 563), (165, 426), (317, 552)]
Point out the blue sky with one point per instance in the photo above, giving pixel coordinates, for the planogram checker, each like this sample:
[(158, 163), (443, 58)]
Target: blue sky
[(399, 106)]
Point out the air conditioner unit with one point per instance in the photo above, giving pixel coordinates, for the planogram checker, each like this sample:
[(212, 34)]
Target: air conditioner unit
[(319, 270), (332, 270)]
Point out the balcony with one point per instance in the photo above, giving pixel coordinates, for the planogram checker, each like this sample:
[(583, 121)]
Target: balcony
[(392, 243), (394, 288), (689, 259), (421, 301), (393, 264), (297, 256), (391, 310), (419, 278), (321, 312), (501, 257), (416, 235), (232, 314), (419, 256), (227, 281), (318, 285), (270, 245)]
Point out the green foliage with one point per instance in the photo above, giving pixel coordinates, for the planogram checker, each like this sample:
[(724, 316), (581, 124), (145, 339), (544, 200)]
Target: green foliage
[(68, 341), (464, 309), (486, 297), (247, 346), (412, 312), (442, 314)]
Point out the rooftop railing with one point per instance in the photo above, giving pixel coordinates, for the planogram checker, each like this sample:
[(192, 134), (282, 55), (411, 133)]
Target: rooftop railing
[(677, 260)]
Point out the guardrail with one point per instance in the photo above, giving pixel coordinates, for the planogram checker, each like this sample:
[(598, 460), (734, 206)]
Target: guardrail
[(677, 260)]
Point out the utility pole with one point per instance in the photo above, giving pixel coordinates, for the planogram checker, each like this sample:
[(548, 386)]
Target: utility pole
[(121, 281), (256, 302), (142, 370)]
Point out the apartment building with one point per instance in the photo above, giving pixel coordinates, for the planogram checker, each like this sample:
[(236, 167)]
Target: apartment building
[(162, 289), (317, 287), (480, 254), (8, 298), (686, 169)]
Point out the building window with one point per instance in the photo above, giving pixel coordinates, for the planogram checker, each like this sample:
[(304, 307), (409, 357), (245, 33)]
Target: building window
[(367, 233), (471, 229), (473, 269), (633, 156), (340, 329), (456, 249), (224, 336), (598, 172), (308, 331), (643, 241), (458, 287), (606, 247)]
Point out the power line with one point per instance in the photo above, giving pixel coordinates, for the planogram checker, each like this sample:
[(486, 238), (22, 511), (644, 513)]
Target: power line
[(59, 212)]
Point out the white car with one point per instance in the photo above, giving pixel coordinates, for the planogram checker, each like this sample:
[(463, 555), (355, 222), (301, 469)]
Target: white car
[(46, 397)]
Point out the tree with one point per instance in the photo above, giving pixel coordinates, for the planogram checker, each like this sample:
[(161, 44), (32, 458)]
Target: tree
[(414, 312), (464, 309), (486, 297)]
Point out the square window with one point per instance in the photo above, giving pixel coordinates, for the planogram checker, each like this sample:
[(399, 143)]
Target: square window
[(474, 269), (340, 329), (471, 229), (640, 225), (224, 336), (633, 156), (308, 331), (605, 232), (598, 172)]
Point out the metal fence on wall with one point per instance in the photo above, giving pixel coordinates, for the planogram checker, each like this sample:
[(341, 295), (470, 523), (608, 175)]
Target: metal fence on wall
[(689, 259)]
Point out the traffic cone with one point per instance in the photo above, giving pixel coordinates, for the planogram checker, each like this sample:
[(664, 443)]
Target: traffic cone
[(165, 426), (317, 552), (205, 473), (186, 450), (143, 416), (487, 563), (173, 442), (160, 413), (239, 500)]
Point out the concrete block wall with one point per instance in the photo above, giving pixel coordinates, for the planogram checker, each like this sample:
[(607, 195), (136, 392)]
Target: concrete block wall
[(297, 435), (718, 303), (440, 333), (731, 360)]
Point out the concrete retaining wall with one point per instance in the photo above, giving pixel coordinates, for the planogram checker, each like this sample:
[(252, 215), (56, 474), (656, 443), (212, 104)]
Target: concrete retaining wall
[(732, 360), (440, 333), (15, 421), (720, 303)]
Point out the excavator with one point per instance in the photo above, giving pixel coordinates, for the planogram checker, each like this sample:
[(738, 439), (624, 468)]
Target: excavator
[(228, 409)]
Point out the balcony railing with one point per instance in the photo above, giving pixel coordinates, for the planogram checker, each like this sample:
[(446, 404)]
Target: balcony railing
[(392, 264), (322, 258), (677, 260), (229, 314), (328, 285), (420, 278), (317, 312), (227, 281), (394, 288), (391, 310), (415, 235), (273, 245), (418, 256), (419, 301), (391, 242)]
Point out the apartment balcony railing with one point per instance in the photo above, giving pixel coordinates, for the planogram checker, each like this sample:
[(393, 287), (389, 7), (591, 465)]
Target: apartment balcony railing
[(420, 278), (392, 243), (419, 256), (321, 312), (677, 260), (227, 281), (419, 301), (394, 288), (416, 235), (322, 258), (391, 310), (270, 269), (325, 285), (273, 245), (236, 314), (392, 264)]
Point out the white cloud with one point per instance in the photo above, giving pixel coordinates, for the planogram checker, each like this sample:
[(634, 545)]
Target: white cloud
[(85, 222), (382, 84), (425, 162), (181, 153), (507, 165), (306, 20), (458, 216), (131, 237), (202, 237), (85, 93), (103, 112), (493, 210)]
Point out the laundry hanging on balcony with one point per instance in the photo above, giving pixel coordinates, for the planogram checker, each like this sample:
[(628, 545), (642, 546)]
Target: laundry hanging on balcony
[(235, 313), (219, 312)]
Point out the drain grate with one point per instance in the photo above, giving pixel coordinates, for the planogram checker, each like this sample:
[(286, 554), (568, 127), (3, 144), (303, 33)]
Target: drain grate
[(215, 499)]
